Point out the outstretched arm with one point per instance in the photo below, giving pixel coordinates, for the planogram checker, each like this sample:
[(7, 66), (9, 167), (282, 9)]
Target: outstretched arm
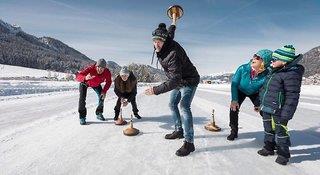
[(174, 75), (81, 75)]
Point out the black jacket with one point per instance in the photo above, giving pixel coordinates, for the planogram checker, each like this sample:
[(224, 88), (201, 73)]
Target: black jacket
[(281, 91), (126, 89), (177, 66)]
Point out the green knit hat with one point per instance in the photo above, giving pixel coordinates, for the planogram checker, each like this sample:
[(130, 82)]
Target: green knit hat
[(286, 54), (266, 56)]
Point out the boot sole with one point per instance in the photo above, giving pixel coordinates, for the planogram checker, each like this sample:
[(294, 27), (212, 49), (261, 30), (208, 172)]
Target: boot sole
[(85, 123), (174, 138), (185, 155), (265, 155), (282, 163), (232, 139), (101, 119)]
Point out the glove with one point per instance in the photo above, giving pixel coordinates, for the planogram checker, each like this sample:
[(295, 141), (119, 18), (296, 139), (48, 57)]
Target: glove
[(234, 106), (256, 108), (124, 102)]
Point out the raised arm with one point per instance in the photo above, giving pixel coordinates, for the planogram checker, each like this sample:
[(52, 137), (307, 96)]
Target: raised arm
[(171, 31)]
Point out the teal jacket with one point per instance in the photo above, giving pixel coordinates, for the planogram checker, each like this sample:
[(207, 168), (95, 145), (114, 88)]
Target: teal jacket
[(242, 80)]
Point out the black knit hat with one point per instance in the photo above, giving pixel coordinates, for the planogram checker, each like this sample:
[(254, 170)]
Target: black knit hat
[(160, 33)]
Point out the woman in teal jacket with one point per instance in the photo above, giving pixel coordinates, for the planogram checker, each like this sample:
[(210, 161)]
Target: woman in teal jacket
[(246, 82)]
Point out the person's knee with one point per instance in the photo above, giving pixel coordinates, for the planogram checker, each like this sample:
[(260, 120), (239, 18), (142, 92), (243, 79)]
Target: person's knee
[(284, 141), (82, 103), (82, 111), (233, 113), (184, 105), (269, 130), (173, 105), (268, 126), (117, 108)]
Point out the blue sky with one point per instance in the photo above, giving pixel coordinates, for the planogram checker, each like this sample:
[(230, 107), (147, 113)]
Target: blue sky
[(218, 35)]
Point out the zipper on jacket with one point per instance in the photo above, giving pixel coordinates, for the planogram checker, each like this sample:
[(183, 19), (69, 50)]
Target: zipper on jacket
[(266, 89), (280, 100)]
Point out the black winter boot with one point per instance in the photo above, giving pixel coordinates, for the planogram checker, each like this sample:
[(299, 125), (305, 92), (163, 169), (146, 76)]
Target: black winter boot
[(268, 149), (282, 160), (100, 117), (283, 155), (174, 135), (265, 152), (233, 134), (186, 149), (137, 115), (82, 121)]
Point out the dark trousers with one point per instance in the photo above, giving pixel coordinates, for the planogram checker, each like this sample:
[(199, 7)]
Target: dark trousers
[(133, 104), (82, 100), (276, 134), (234, 115)]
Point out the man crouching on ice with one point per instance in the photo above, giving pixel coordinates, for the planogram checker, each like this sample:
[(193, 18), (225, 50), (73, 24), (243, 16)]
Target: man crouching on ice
[(93, 76)]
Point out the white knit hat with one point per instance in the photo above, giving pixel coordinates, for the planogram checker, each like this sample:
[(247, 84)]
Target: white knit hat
[(124, 71)]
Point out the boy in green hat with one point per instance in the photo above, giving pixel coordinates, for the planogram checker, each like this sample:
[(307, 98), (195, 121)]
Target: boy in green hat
[(279, 101)]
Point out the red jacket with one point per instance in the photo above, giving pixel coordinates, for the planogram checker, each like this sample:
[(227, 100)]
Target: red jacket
[(97, 80)]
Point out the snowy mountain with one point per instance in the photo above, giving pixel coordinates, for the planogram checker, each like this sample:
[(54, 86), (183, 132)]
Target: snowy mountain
[(312, 80), (21, 49), (217, 78), (311, 62), (144, 73), (114, 68), (7, 28)]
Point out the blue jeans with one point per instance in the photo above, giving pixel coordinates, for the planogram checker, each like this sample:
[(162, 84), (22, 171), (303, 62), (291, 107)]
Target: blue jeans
[(184, 95)]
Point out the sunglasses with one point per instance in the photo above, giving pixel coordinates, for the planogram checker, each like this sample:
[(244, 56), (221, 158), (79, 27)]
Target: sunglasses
[(256, 57), (273, 59)]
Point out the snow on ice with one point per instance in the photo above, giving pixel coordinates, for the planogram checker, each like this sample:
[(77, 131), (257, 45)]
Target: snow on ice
[(40, 134)]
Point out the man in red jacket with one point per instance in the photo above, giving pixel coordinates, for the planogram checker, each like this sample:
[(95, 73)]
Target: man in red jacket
[(93, 76)]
